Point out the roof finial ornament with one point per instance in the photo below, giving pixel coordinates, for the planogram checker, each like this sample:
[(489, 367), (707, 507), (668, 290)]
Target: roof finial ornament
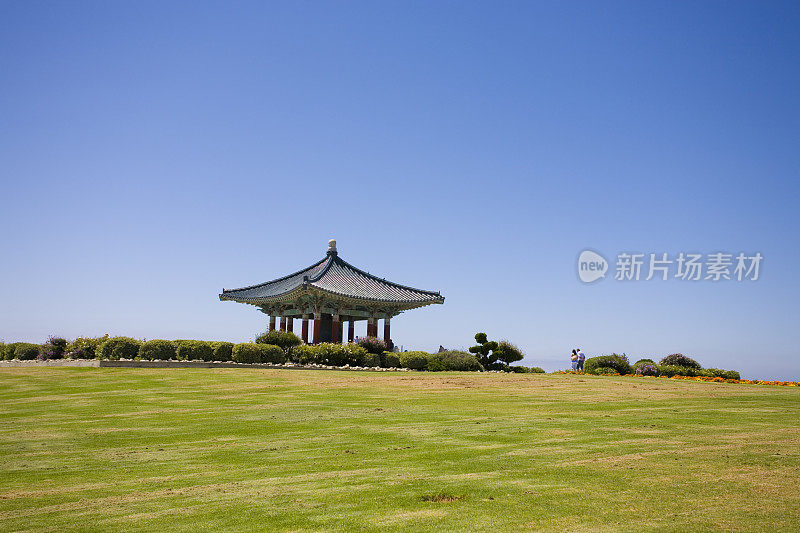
[(332, 247)]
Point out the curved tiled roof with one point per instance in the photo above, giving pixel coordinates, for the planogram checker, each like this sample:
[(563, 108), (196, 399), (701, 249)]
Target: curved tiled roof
[(337, 276)]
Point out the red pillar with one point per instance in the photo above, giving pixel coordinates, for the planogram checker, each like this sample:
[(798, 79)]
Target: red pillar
[(386, 327), (283, 323), (336, 331), (272, 322), (289, 324), (317, 326), (351, 330), (305, 328), (372, 327)]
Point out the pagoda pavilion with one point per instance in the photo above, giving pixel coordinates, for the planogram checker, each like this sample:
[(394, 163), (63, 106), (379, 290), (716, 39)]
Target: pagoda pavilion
[(331, 292)]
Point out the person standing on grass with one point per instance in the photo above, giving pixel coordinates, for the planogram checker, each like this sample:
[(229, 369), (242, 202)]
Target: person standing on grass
[(574, 359), (581, 359)]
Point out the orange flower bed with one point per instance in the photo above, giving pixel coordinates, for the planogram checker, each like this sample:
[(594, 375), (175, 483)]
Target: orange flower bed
[(700, 378)]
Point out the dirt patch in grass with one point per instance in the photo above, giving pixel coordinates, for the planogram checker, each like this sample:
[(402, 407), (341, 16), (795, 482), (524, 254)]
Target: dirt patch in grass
[(441, 497)]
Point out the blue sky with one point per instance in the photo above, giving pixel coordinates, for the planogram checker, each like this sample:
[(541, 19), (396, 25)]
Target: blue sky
[(153, 153)]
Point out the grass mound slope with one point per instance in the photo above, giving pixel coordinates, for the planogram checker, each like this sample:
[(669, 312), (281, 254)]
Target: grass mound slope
[(112, 449)]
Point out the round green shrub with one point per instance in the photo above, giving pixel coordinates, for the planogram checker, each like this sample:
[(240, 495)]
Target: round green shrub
[(272, 354), (390, 360), (191, 350), (118, 348), (223, 351), (334, 354), (536, 370), (417, 360), (649, 361), (258, 353), (157, 350), (247, 352), (286, 340), (7, 351), (25, 351), (453, 360), (85, 347), (678, 359), (303, 355), (370, 360), (618, 362)]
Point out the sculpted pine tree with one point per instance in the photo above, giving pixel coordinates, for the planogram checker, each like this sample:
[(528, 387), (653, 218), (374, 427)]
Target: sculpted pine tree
[(484, 351)]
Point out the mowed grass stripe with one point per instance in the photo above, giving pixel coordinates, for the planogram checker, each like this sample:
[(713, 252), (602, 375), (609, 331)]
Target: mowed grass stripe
[(149, 449)]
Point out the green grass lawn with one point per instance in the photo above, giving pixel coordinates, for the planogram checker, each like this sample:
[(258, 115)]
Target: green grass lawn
[(185, 449)]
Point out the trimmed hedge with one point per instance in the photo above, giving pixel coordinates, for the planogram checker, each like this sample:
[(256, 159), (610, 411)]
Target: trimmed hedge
[(85, 347), (25, 351), (302, 355), (371, 360), (190, 350), (453, 360), (726, 374), (618, 363), (286, 340), (390, 360), (248, 352), (223, 351), (333, 354), (272, 354), (414, 360), (157, 349), (674, 370), (678, 359), (118, 348)]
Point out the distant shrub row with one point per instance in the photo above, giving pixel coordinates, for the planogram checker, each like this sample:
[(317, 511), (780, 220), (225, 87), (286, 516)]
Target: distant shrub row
[(671, 365), (276, 347)]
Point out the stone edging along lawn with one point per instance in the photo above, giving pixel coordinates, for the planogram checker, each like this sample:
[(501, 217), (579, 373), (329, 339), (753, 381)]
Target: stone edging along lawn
[(127, 363)]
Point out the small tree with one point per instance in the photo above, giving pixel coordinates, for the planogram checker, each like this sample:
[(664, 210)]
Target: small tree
[(285, 339), (508, 353), (485, 351)]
